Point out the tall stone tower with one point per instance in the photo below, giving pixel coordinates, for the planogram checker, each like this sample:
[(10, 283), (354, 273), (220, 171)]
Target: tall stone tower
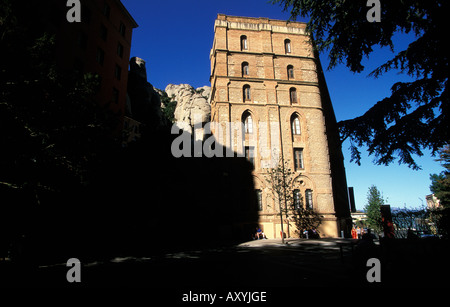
[(266, 76)]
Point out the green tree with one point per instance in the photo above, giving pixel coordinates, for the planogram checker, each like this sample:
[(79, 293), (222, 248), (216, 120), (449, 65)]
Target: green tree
[(372, 208), (440, 186), (416, 115), (440, 183), (169, 106)]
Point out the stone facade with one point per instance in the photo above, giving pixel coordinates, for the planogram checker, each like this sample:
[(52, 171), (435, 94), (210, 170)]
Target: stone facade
[(265, 74)]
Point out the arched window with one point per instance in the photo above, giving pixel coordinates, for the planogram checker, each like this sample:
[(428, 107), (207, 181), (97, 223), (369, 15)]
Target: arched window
[(245, 70), (293, 95), (287, 45), (295, 124), (244, 42), (248, 123), (290, 72), (246, 92)]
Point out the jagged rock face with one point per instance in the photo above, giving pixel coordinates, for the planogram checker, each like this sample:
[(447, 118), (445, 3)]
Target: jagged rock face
[(137, 66), (192, 104)]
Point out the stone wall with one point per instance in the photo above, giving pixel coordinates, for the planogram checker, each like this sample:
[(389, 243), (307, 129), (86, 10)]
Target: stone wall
[(271, 108)]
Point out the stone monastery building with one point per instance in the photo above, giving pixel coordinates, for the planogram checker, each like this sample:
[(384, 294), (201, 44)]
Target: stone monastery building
[(266, 75)]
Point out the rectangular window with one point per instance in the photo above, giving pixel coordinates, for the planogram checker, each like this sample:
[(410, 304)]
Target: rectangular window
[(120, 50), (250, 153), (247, 93), (118, 72), (103, 32), (297, 200), (293, 95), (122, 29), (309, 199), (298, 159), (259, 197), (106, 10)]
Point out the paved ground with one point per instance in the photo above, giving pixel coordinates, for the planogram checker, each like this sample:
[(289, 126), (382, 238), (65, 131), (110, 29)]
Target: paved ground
[(261, 264)]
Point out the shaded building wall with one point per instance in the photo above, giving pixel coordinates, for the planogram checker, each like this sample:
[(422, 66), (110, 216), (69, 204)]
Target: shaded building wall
[(100, 43)]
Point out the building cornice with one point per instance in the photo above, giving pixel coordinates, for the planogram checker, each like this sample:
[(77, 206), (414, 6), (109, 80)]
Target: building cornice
[(260, 24)]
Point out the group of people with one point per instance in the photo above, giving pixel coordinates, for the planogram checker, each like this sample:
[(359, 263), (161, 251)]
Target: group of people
[(259, 235), (357, 232), (306, 233), (310, 233)]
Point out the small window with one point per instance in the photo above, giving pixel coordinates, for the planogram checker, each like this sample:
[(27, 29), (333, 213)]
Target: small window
[(245, 70), (118, 72), (295, 125), (290, 72), (244, 42), (248, 124), (106, 10), (103, 32), (293, 95), (298, 159), (120, 50), (309, 199), (297, 199), (122, 29), (246, 92), (287, 46), (259, 198), (250, 154)]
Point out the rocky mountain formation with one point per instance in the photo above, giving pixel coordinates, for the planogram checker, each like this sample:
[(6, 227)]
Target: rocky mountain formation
[(144, 101), (193, 105)]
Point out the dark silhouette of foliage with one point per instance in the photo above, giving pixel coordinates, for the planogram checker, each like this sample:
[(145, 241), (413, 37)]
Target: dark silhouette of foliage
[(416, 115)]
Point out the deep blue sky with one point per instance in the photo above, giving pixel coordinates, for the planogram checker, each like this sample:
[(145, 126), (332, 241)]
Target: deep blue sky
[(175, 38)]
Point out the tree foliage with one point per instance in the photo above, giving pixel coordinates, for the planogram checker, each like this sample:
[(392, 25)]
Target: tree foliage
[(416, 115), (169, 106), (372, 208), (280, 179), (440, 183), (51, 128)]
